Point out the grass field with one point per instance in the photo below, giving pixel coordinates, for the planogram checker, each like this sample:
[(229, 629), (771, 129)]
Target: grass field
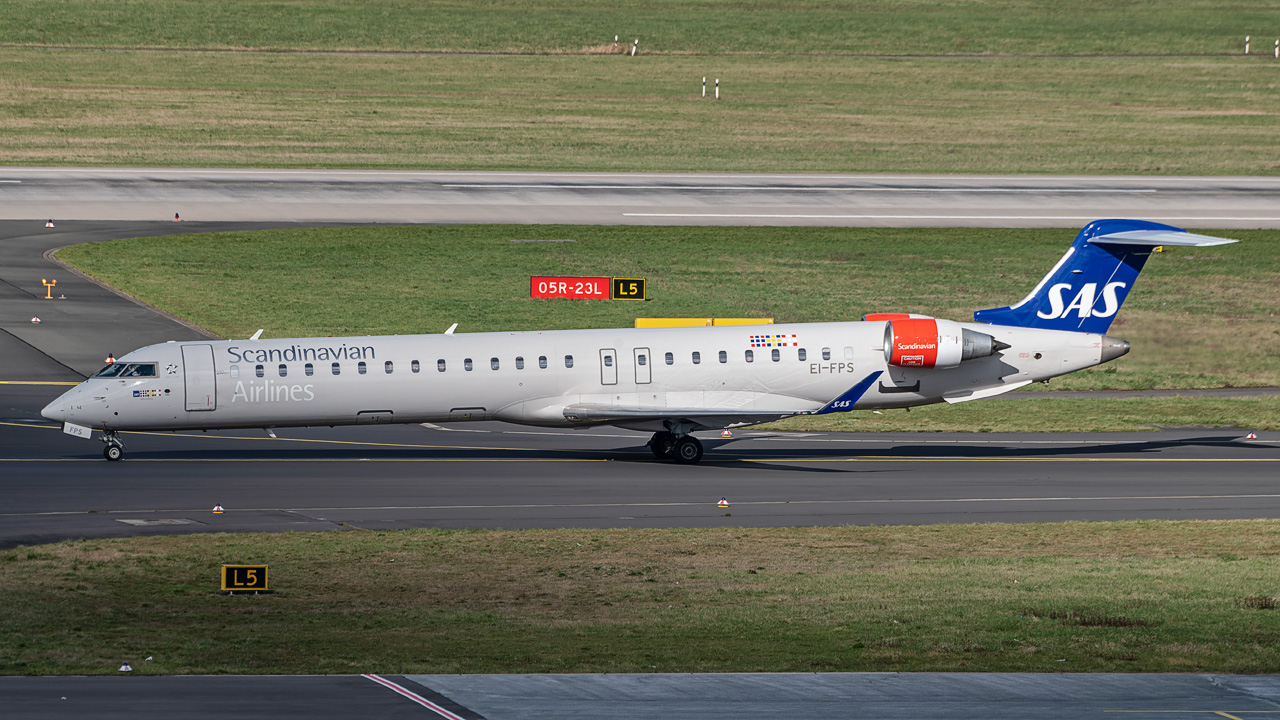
[(892, 27), (1195, 318), (1075, 597), (1007, 86), (1214, 116)]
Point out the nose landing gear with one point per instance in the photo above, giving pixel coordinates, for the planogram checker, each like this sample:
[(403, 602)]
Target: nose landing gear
[(114, 449)]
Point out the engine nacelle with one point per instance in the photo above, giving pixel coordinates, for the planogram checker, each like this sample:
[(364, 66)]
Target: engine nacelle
[(932, 343)]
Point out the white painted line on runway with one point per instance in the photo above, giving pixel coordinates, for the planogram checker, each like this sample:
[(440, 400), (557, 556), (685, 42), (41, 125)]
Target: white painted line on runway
[(785, 188), (762, 502), (11, 181), (700, 503), (929, 217), (415, 697)]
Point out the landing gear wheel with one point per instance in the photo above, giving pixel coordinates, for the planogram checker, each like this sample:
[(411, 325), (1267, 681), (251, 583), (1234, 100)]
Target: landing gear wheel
[(112, 452), (663, 445), (688, 450)]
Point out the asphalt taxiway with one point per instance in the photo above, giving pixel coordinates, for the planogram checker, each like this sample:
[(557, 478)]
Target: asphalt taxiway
[(727, 696)]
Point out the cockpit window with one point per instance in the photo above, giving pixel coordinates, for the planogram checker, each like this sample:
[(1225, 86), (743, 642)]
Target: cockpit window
[(128, 370)]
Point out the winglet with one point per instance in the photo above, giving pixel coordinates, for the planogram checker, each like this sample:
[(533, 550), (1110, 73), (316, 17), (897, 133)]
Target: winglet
[(258, 334), (451, 329), (849, 397)]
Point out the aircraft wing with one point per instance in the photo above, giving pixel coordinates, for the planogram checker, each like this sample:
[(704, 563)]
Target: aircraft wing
[(705, 418), (711, 418)]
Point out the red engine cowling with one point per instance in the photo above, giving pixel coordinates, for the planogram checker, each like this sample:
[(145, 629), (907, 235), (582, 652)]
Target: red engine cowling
[(931, 343)]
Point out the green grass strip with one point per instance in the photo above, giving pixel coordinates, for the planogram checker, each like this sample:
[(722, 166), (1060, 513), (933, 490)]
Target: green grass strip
[(892, 27), (1148, 596)]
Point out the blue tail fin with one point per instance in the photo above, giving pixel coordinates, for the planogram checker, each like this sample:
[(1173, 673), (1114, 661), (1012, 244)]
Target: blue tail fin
[(1085, 289)]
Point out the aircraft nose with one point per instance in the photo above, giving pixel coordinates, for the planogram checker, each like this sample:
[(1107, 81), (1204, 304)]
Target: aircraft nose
[(56, 410), (1113, 348)]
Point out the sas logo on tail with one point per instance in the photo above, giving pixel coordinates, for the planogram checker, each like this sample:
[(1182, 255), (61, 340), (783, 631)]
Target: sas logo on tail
[(1083, 302)]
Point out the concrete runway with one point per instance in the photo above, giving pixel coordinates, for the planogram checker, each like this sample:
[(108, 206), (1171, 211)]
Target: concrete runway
[(378, 196), (728, 696)]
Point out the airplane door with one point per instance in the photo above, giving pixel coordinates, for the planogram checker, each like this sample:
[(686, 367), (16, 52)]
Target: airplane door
[(644, 373), (197, 366), (608, 366)]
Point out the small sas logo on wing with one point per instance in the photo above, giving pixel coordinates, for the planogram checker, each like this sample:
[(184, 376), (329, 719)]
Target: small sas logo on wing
[(146, 393), (759, 341)]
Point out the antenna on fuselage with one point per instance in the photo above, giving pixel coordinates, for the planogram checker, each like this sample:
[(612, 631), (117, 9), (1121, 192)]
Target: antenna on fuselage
[(451, 329), (257, 334)]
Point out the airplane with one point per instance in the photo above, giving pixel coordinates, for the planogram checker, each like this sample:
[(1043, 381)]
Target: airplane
[(670, 381)]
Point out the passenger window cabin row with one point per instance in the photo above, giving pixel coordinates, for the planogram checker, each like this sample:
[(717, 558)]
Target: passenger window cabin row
[(388, 367)]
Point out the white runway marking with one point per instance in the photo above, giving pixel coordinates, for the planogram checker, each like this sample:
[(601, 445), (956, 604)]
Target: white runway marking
[(1082, 218), (693, 504), (788, 188)]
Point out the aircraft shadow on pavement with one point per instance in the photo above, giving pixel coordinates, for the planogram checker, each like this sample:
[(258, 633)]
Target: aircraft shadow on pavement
[(993, 450), (737, 453)]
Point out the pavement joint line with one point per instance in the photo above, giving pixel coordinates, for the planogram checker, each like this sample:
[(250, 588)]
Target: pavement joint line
[(747, 503), (38, 382)]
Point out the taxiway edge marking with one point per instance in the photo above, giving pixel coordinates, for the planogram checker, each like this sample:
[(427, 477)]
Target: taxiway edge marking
[(442, 712)]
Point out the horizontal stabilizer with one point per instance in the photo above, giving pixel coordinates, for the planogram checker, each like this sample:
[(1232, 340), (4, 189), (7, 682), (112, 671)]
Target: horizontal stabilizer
[(1161, 237)]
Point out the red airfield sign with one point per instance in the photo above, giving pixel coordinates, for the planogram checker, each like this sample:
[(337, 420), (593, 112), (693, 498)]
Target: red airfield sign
[(578, 288)]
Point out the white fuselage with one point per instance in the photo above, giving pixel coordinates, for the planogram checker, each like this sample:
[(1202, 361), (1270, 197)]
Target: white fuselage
[(537, 378)]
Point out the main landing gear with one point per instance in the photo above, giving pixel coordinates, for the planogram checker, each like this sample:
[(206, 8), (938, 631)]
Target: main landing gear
[(114, 449), (684, 449)]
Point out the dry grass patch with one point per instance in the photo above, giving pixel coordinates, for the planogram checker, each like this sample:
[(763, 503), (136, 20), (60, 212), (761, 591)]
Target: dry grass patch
[(791, 114)]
